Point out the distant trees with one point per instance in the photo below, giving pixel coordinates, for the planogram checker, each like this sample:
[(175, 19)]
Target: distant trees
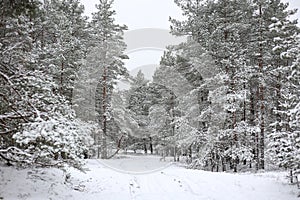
[(149, 104)]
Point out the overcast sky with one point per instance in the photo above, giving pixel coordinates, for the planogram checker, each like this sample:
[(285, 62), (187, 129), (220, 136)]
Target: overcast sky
[(141, 13), (150, 13)]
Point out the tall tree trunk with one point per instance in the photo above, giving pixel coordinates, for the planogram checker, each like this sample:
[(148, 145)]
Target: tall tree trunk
[(257, 149), (173, 125), (174, 149), (261, 91), (190, 153), (104, 106), (252, 121), (103, 147), (151, 145), (61, 77), (278, 98), (262, 131), (145, 145), (223, 164), (244, 104)]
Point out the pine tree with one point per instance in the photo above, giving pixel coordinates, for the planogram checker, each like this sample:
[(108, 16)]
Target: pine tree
[(247, 41), (221, 29), (40, 124), (271, 32), (284, 139), (108, 48), (64, 39), (16, 46)]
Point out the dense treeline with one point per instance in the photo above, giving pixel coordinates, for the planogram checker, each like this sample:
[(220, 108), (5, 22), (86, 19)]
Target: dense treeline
[(235, 95), (249, 114), (227, 98), (44, 49)]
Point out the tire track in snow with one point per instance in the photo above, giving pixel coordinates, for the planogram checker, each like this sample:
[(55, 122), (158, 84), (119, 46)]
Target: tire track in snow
[(182, 183), (134, 188)]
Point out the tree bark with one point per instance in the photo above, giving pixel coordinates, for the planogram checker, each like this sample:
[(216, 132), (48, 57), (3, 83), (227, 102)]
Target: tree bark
[(145, 145), (261, 91), (61, 78), (104, 128), (151, 145)]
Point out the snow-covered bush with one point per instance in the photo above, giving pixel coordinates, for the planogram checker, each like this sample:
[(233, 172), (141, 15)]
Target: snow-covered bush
[(55, 141)]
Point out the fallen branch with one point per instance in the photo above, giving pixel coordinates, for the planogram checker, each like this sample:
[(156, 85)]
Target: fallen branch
[(118, 147)]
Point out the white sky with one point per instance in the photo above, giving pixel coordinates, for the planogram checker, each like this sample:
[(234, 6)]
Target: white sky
[(150, 13), (141, 13)]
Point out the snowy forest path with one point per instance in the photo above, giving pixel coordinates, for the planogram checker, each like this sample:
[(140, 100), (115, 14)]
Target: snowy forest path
[(136, 164), (149, 178), (172, 182)]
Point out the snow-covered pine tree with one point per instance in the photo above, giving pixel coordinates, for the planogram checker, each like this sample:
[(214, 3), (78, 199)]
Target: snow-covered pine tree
[(108, 50), (221, 28), (45, 131), (124, 120), (270, 36), (135, 98), (15, 48), (143, 98), (285, 137), (180, 74), (64, 40)]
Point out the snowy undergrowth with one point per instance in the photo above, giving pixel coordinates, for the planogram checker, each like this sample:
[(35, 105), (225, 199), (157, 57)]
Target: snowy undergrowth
[(173, 182)]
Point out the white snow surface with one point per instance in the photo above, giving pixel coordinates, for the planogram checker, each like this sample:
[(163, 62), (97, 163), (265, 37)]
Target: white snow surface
[(141, 178)]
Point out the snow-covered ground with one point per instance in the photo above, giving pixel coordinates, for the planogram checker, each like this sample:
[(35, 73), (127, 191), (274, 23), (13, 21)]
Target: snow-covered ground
[(141, 177), (137, 164)]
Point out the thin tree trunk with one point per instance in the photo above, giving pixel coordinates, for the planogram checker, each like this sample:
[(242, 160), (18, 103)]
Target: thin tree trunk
[(145, 145), (278, 97), (291, 176), (173, 126), (252, 123), (262, 106), (257, 149), (190, 153), (61, 78), (262, 129), (223, 165), (118, 146), (174, 153), (104, 128), (244, 105), (104, 147), (151, 145)]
